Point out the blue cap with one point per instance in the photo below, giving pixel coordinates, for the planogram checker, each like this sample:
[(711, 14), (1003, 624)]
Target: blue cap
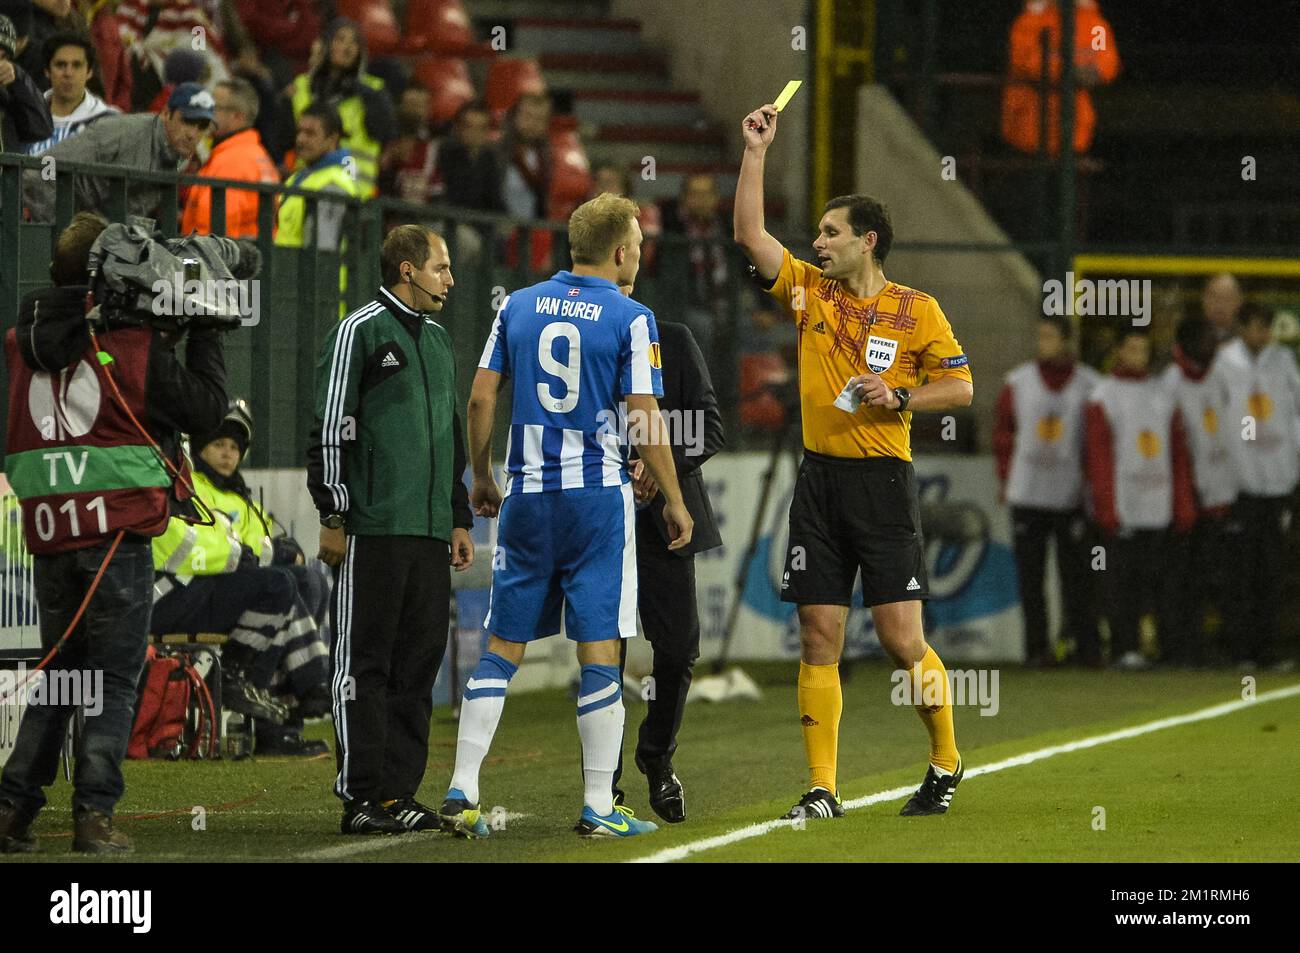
[(193, 101)]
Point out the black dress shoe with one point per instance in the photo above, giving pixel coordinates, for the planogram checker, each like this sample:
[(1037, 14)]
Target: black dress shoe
[(666, 795)]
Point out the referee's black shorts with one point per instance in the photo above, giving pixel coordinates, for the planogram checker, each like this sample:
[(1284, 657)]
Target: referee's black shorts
[(849, 515)]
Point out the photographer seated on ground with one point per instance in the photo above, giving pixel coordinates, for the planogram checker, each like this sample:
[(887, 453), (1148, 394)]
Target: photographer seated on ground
[(211, 579)]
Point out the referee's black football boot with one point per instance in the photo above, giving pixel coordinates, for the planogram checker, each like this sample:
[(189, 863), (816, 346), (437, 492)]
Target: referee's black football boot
[(367, 817), (666, 795), (818, 804), (413, 815), (934, 796)]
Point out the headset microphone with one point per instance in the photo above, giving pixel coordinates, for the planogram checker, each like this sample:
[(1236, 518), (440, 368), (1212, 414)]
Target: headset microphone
[(411, 279)]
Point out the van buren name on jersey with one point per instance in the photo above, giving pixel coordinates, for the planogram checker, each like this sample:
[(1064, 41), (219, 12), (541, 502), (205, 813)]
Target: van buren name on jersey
[(569, 308)]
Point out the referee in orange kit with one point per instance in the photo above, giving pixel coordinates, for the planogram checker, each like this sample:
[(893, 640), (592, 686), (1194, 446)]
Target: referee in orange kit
[(865, 346)]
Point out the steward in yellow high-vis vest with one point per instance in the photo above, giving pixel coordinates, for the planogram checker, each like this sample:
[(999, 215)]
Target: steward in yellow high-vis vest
[(363, 104), (220, 578), (325, 167)]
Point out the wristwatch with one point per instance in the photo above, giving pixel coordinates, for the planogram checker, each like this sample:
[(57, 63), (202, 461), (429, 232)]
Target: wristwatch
[(904, 397), (333, 521)]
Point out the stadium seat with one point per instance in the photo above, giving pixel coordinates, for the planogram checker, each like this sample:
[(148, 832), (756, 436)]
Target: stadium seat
[(378, 24), (570, 170), (448, 83), (507, 80), (759, 407), (440, 26)]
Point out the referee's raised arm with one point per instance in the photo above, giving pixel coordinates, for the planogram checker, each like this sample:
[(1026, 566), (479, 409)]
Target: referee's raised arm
[(763, 250)]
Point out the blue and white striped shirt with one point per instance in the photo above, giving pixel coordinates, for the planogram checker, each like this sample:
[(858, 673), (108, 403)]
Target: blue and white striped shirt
[(574, 347)]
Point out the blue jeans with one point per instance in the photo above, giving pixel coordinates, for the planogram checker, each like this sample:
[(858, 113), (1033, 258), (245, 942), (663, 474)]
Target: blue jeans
[(111, 638)]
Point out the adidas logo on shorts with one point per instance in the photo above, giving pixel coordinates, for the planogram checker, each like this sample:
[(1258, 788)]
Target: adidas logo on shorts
[(913, 585)]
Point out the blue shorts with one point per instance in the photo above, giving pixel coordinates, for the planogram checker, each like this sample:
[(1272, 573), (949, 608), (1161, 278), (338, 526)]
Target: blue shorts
[(574, 549)]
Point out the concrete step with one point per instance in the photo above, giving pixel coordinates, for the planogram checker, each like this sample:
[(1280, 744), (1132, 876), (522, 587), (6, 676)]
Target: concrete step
[(626, 107), (631, 152), (491, 12), (575, 81), (533, 36), (670, 178)]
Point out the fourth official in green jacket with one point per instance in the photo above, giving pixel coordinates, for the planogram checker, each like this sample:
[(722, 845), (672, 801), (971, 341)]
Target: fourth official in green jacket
[(384, 470)]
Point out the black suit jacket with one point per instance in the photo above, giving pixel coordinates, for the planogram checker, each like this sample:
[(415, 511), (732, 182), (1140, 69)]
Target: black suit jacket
[(687, 389)]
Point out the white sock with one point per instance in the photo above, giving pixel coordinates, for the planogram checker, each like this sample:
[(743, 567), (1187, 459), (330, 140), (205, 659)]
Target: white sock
[(480, 713), (600, 726)]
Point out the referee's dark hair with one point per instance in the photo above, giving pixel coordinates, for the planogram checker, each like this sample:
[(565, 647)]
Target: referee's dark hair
[(867, 215), (405, 243)]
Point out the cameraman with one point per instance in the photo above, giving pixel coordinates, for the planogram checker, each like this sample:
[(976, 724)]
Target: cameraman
[(61, 400)]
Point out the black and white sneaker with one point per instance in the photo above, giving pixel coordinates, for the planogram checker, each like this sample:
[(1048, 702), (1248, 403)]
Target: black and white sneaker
[(818, 804), (413, 815), (934, 796), (367, 817)]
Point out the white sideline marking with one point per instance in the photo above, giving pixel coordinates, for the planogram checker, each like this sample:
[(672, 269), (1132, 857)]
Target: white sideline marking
[(370, 844), (757, 830)]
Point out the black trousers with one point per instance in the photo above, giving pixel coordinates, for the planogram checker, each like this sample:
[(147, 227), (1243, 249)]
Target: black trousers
[(1259, 557), (1140, 580), (1201, 562), (1031, 528), (670, 620), (391, 599)]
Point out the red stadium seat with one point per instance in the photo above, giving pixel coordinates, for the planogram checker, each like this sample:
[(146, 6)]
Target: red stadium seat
[(508, 79), (570, 170), (440, 26), (759, 408), (448, 83), (378, 24)]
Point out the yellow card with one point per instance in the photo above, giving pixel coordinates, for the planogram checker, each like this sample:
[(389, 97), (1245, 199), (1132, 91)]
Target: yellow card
[(787, 94)]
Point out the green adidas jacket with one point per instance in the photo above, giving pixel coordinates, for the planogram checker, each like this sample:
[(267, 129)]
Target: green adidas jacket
[(387, 449)]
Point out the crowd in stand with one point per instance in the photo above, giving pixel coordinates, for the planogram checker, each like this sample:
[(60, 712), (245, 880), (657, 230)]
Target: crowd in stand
[(1166, 492), (66, 68)]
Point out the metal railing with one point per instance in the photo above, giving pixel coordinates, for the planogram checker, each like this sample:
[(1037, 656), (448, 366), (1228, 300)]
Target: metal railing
[(273, 361)]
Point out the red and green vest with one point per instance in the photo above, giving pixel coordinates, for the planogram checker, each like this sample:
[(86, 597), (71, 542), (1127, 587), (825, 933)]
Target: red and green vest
[(76, 462)]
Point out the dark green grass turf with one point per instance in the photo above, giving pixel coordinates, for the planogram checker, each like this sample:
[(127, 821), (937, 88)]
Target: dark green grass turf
[(1222, 789)]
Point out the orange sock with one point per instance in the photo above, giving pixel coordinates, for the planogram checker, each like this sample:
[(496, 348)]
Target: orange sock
[(820, 705), (935, 691)]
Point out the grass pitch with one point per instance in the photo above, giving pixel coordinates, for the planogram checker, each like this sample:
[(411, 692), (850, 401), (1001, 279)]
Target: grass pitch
[(1219, 789)]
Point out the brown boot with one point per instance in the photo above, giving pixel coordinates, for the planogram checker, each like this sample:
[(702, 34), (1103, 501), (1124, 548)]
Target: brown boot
[(14, 836), (94, 834)]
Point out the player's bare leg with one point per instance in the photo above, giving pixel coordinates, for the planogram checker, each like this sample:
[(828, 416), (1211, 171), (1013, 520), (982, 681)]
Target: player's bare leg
[(899, 628), (821, 636), (480, 713)]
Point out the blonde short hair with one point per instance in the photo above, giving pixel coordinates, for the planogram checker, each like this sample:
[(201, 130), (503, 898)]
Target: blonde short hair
[(599, 226)]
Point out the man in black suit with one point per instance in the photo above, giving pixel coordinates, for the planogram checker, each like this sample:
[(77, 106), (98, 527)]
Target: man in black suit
[(666, 580)]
